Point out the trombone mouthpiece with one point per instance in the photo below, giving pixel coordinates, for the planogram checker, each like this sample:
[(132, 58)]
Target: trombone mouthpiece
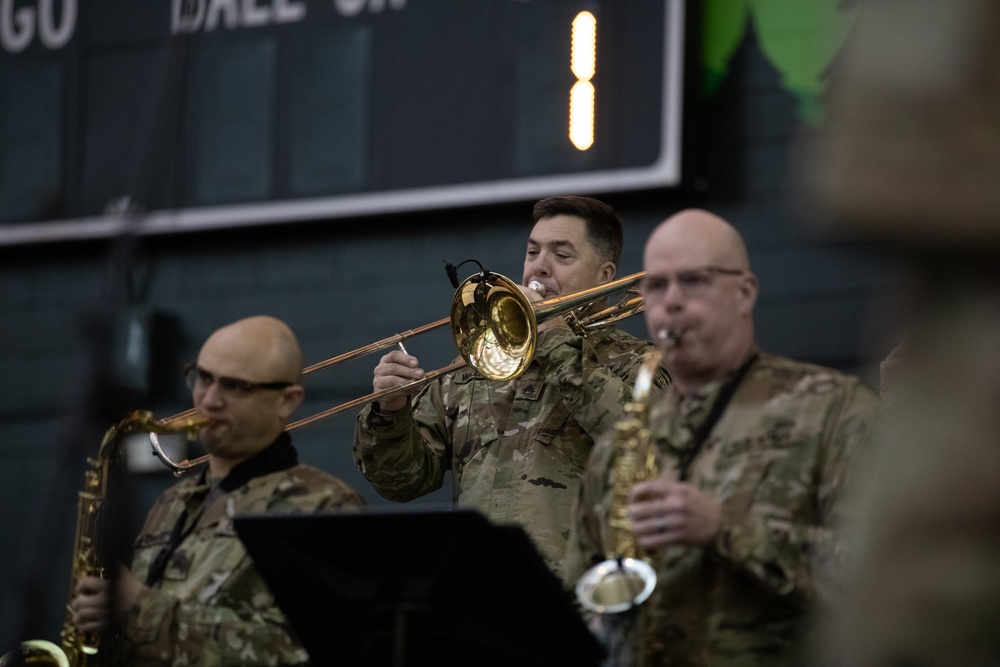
[(668, 339), (536, 286)]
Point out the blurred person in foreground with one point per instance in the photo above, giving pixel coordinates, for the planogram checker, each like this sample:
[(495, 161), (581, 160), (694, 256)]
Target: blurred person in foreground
[(910, 158), (515, 448), (754, 451), (193, 596)]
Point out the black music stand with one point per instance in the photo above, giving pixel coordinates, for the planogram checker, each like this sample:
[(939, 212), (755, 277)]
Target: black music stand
[(413, 588)]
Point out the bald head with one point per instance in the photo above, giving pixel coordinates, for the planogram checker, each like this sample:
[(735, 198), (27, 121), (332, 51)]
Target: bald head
[(700, 295), (264, 347), (262, 354), (698, 238)]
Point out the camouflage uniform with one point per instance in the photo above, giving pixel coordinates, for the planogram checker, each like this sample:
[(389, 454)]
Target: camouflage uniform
[(777, 460), (515, 449), (211, 606)]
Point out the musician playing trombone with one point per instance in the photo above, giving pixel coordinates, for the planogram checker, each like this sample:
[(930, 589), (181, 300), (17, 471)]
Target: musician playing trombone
[(515, 448), (193, 596)]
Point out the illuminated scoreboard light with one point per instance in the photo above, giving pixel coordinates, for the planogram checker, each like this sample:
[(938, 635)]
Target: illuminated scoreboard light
[(583, 64), (222, 113)]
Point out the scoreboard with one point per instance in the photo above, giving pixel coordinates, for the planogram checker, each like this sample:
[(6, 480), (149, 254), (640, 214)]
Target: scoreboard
[(224, 113)]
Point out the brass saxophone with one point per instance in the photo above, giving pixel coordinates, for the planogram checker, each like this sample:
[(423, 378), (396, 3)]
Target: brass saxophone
[(616, 588), (84, 649)]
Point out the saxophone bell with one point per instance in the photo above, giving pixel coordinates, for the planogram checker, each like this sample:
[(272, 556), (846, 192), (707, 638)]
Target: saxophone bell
[(616, 585), (35, 652)]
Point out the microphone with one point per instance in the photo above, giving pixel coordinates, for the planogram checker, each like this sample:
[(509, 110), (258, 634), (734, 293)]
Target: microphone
[(452, 272)]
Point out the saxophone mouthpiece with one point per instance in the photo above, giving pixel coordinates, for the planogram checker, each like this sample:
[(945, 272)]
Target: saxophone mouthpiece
[(668, 338), (196, 421)]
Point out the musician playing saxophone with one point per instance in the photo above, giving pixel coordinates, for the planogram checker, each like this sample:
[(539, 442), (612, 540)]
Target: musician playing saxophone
[(515, 449), (755, 450), (192, 595)]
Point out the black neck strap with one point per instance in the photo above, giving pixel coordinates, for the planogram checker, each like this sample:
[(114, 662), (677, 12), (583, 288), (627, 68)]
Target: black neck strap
[(701, 435)]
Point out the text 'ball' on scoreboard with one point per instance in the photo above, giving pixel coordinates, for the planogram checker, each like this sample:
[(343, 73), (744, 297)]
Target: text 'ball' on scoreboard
[(218, 113)]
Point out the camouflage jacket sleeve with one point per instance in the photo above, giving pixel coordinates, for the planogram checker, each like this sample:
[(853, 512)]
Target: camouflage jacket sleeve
[(770, 532), (211, 606), (406, 454), (594, 387)]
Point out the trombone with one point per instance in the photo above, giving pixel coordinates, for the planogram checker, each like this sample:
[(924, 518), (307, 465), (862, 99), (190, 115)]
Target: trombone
[(495, 328)]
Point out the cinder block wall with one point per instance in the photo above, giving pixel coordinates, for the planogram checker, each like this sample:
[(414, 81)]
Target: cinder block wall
[(346, 283)]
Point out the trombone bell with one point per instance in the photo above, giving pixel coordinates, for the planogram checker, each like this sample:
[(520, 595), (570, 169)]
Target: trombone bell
[(494, 326)]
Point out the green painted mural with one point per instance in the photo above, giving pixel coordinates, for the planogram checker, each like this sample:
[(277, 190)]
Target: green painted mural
[(799, 38)]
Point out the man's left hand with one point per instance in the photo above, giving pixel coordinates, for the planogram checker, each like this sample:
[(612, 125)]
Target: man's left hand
[(534, 297), (666, 512)]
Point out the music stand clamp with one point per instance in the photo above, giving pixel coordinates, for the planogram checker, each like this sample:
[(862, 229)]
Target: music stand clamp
[(411, 588)]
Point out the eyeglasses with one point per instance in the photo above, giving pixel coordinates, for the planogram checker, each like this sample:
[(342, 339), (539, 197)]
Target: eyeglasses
[(690, 283), (200, 379)]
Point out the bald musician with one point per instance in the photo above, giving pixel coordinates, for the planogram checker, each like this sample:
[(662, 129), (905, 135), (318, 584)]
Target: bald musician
[(753, 450), (193, 596)]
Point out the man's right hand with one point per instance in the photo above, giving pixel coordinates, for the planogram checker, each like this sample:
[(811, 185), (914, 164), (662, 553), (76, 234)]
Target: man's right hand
[(92, 607), (395, 369), (91, 604)]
